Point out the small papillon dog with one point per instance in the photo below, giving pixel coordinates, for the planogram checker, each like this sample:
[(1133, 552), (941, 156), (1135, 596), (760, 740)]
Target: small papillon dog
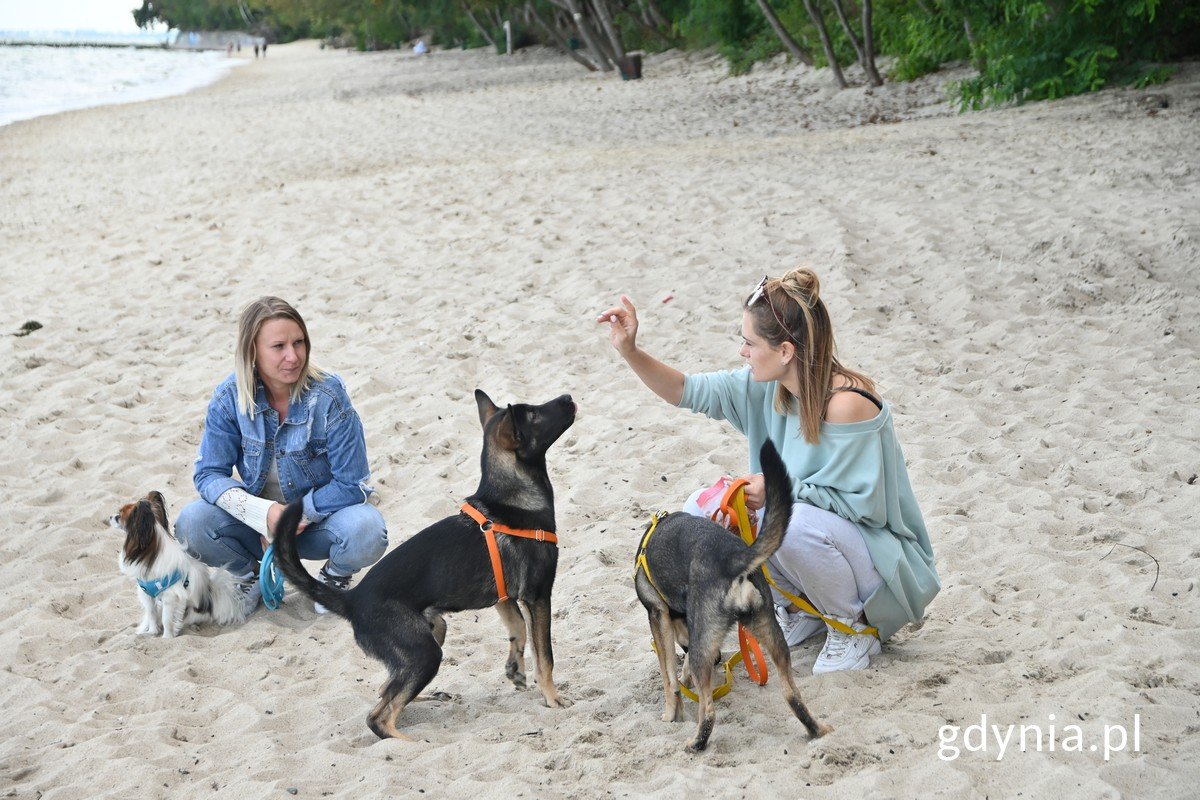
[(174, 588)]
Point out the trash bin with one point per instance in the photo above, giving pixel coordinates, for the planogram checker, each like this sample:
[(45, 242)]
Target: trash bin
[(631, 67)]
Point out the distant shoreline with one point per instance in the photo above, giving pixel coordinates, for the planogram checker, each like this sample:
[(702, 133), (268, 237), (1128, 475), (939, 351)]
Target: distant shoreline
[(83, 43), (103, 74)]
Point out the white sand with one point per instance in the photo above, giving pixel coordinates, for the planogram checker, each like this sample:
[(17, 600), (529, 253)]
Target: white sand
[(1022, 282)]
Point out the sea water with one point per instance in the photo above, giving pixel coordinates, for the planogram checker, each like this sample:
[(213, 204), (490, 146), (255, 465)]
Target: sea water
[(37, 80)]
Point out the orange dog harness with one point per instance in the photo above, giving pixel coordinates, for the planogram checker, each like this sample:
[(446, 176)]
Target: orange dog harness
[(490, 529)]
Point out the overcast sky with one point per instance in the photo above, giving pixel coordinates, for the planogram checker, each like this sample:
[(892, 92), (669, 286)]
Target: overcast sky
[(45, 15)]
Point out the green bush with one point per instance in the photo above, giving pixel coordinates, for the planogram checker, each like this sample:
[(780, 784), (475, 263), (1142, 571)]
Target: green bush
[(1036, 49)]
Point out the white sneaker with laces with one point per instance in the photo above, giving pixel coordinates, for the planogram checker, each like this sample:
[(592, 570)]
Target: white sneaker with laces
[(798, 626), (844, 651), (336, 581)]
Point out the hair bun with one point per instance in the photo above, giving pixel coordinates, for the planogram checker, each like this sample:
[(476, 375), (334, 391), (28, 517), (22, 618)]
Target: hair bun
[(803, 285)]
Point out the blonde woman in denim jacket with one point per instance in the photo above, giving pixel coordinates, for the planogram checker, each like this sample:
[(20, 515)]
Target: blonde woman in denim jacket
[(289, 430)]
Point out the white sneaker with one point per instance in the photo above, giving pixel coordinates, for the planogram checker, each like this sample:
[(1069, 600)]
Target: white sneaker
[(798, 626), (844, 651), (336, 581)]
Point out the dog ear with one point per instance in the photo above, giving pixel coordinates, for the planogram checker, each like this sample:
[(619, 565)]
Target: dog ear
[(159, 504), (487, 409), (141, 534), (506, 432)]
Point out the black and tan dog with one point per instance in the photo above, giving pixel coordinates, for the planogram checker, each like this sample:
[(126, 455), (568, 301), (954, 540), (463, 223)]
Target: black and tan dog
[(697, 580), (397, 609)]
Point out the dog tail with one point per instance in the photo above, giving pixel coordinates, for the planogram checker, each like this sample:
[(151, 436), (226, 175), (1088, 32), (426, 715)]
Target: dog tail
[(288, 561), (779, 507), (228, 605)]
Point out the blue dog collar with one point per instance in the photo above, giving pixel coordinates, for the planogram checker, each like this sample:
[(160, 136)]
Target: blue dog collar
[(155, 588)]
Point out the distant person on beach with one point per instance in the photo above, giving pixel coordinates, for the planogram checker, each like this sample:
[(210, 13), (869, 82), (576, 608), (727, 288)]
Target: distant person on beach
[(288, 428), (419, 48), (856, 548), (264, 49)]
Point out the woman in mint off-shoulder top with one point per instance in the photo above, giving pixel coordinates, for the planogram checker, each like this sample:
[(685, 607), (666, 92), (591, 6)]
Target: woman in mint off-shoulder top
[(857, 547)]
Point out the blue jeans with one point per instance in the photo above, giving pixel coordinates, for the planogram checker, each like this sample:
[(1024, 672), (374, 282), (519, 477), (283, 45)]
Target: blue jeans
[(352, 538)]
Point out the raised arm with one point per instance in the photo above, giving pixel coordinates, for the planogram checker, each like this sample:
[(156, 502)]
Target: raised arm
[(665, 381)]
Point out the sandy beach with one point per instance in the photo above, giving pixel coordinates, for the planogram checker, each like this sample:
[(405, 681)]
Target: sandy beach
[(1023, 284)]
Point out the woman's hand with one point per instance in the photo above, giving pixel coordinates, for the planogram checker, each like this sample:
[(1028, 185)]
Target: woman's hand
[(273, 515), (622, 326), (756, 492)]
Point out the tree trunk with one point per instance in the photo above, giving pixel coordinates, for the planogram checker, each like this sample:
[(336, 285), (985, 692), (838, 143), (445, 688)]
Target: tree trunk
[(978, 60), (798, 52), (605, 17), (657, 15), (818, 20), (854, 42), (482, 30), (864, 48), (584, 27), (647, 24), (645, 14), (559, 39), (869, 45)]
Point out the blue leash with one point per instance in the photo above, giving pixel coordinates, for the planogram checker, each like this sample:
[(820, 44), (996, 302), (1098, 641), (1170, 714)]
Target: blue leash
[(270, 580)]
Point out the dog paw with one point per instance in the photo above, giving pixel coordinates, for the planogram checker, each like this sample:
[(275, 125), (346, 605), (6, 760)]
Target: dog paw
[(558, 702), (441, 697), (823, 730), (695, 746), (515, 672)]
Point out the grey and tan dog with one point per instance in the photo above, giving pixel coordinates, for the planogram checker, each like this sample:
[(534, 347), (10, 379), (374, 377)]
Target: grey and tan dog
[(698, 579)]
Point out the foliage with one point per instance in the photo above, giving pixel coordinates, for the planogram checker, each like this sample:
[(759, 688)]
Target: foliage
[(1151, 76), (1021, 49), (1039, 49), (720, 23)]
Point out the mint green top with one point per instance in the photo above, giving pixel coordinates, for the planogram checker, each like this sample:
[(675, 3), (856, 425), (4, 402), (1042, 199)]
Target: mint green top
[(856, 471)]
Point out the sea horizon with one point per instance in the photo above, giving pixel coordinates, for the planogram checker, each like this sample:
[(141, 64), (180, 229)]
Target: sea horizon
[(84, 36)]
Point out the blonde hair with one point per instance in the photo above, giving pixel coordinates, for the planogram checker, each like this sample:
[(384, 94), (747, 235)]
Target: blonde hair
[(254, 316), (791, 310)]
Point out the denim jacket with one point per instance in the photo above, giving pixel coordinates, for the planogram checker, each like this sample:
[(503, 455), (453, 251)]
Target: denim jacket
[(320, 448)]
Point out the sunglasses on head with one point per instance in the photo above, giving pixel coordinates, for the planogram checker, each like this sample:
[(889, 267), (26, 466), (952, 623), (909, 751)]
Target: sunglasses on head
[(760, 291)]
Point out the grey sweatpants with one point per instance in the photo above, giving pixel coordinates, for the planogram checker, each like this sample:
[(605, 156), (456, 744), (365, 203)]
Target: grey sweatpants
[(824, 557)]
